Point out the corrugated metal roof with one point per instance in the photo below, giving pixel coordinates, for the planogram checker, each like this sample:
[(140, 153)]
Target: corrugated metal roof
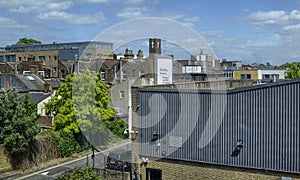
[(265, 119)]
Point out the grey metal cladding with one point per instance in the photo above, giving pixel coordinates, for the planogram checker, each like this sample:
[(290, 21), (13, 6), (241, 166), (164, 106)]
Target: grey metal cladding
[(265, 119), (68, 54)]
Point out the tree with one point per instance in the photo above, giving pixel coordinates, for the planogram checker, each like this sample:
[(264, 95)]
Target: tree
[(294, 71), (81, 105), (28, 41), (18, 122)]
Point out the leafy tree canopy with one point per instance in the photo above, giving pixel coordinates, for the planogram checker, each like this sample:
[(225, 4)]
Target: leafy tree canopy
[(18, 122), (81, 105), (293, 71), (28, 41), (286, 65)]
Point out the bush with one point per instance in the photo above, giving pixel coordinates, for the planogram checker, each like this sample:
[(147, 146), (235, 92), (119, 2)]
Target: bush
[(68, 144), (80, 173)]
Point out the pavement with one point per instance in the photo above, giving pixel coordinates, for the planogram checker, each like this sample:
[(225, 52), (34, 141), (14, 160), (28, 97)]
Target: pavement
[(63, 165)]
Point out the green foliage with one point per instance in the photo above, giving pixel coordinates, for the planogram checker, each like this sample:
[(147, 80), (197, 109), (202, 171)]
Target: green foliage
[(82, 107), (117, 127), (63, 107), (68, 144), (115, 56), (294, 71), (28, 41), (80, 173), (286, 65), (18, 122)]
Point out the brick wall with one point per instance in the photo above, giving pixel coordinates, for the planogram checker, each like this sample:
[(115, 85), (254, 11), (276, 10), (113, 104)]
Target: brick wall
[(237, 74), (173, 169), (134, 145)]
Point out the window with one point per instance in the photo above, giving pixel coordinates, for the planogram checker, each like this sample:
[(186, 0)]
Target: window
[(124, 75), (266, 76), (245, 76), (42, 58), (270, 76), (26, 73), (141, 73), (102, 75), (41, 74), (122, 94), (228, 75), (117, 111), (153, 174)]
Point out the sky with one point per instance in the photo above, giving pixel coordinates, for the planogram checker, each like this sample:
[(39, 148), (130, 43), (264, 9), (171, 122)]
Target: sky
[(253, 31)]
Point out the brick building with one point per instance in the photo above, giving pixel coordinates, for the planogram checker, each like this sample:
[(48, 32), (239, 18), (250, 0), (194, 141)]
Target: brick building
[(51, 54)]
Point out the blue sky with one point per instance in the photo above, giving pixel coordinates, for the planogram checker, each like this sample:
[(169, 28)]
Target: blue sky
[(247, 30)]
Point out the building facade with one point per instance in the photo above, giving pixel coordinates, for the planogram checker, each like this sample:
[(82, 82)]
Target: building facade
[(51, 54), (259, 74), (244, 133)]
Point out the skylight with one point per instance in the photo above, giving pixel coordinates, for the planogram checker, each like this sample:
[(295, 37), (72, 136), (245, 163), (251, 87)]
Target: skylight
[(30, 78)]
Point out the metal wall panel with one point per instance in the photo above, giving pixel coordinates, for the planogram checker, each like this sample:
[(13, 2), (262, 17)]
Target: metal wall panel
[(265, 118)]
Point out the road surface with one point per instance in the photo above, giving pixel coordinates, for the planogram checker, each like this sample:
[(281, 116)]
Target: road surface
[(54, 171)]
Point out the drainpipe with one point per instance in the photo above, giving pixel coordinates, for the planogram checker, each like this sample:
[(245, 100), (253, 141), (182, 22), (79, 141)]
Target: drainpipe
[(121, 71)]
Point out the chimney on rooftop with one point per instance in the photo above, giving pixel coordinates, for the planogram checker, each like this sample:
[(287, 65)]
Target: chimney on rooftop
[(46, 87), (34, 69), (154, 46), (140, 54)]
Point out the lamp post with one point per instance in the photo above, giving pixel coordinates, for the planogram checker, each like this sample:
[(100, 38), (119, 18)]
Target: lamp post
[(93, 156)]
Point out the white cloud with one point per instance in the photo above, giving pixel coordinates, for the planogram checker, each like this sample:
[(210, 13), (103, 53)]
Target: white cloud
[(291, 27), (273, 17), (268, 17), (9, 23), (59, 5), (30, 6), (18, 3), (90, 1), (276, 48), (274, 40), (121, 33), (295, 14), (55, 15), (23, 9), (73, 18), (171, 15), (133, 1), (132, 12), (190, 21), (42, 6)]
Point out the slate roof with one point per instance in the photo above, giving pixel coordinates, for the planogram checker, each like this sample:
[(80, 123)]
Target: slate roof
[(32, 82), (36, 97), (55, 83)]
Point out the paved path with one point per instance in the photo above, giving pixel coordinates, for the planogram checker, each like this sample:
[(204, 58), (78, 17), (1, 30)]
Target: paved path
[(54, 171)]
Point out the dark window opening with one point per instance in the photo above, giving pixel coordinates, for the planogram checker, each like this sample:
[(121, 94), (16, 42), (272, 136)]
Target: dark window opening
[(245, 76), (153, 174)]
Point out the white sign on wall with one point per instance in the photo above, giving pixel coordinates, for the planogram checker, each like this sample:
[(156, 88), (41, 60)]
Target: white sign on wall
[(163, 69)]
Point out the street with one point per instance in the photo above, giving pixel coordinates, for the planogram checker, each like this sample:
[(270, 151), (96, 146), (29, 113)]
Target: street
[(54, 171)]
